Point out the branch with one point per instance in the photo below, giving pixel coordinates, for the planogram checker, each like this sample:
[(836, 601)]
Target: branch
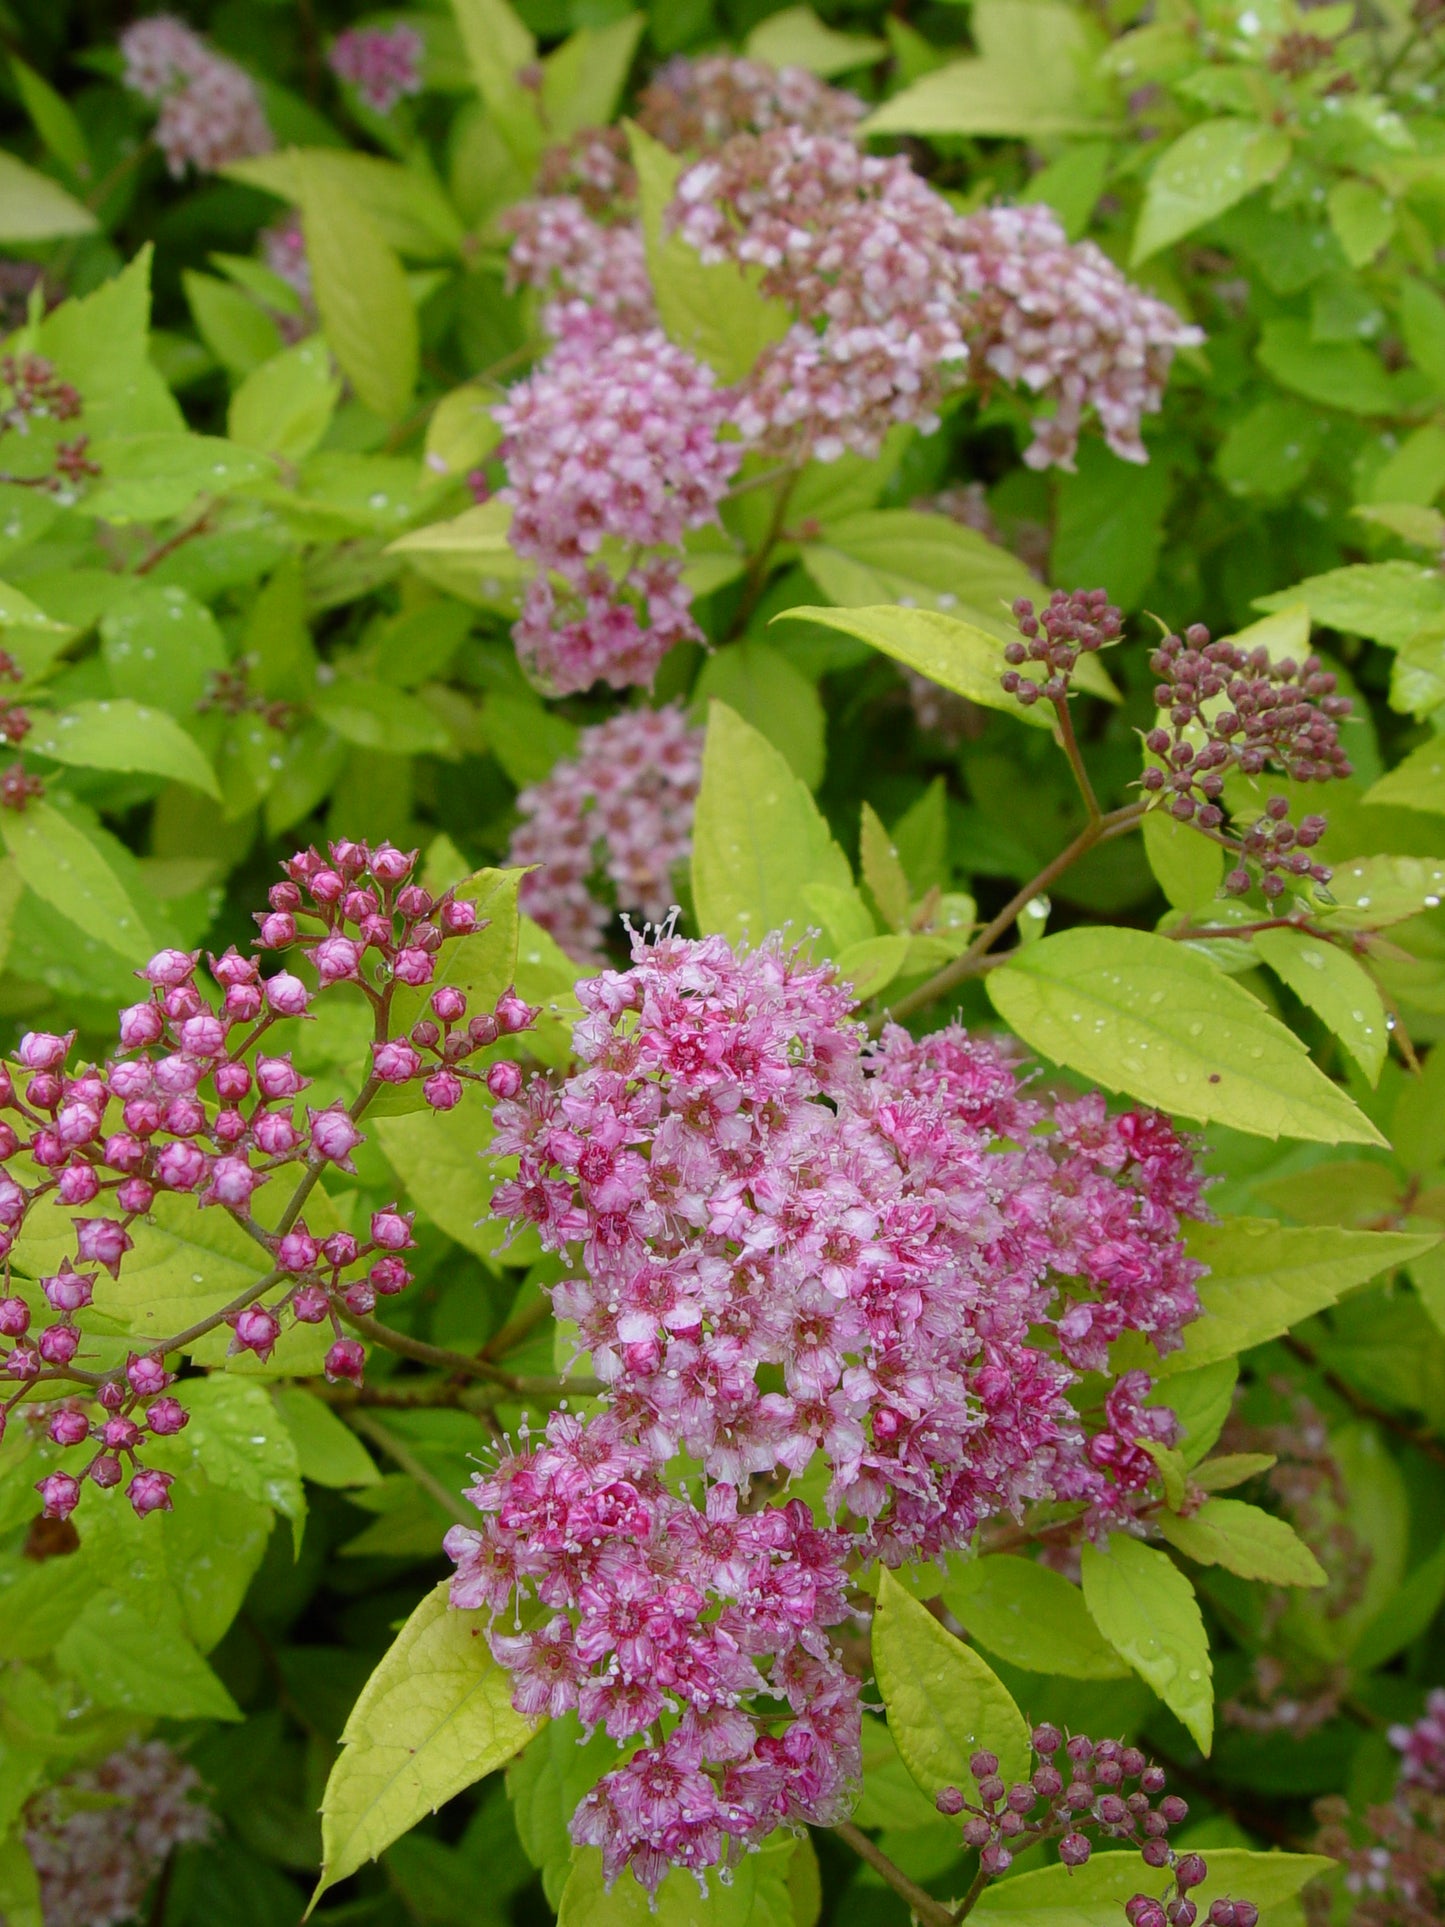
[(1422, 1440), (461, 1364), (931, 1912), (380, 1435)]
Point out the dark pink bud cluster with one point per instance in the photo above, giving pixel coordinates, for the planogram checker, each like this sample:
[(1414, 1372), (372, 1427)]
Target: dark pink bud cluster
[(99, 1838), (1071, 624), (19, 788), (1422, 1746), (1230, 708), (614, 437), (1392, 1857), (230, 692), (210, 110), (619, 811), (789, 1246), (1077, 1788), (383, 64), (31, 392), (195, 1105)]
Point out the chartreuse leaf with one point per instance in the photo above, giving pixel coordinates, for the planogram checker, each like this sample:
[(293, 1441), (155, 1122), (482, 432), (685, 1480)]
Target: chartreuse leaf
[(285, 406), (956, 655), (1416, 784), (1094, 1895), (1030, 1616), (1363, 218), (140, 1661), (1145, 1608), (1336, 988), (759, 842), (361, 293), (1264, 1277), (943, 1701), (240, 1441), (53, 119), (883, 870), (19, 1883), (1204, 172), (757, 1896), (713, 310), (796, 37), (1154, 1018), (116, 733), (1390, 602), (327, 1452), (35, 208), (1371, 892), (1188, 867), (767, 691), (62, 866), (1407, 1613), (497, 47), (583, 79), (1243, 1539), (435, 1716), (1422, 314)]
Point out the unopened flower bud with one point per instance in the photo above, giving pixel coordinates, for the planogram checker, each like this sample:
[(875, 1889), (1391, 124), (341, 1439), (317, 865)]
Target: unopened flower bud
[(256, 1331), (443, 1091), (60, 1494), (69, 1427), (166, 1416), (278, 930), (106, 1471), (389, 1276), (1074, 1849), (150, 1491), (14, 1317), (413, 966), (949, 1800), (346, 1360), (141, 1026), (513, 1014), (287, 996), (457, 919), (449, 1003), (310, 1304), (391, 1229), (334, 1136)]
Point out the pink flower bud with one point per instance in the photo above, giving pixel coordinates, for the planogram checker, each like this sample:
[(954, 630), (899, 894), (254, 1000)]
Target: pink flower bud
[(458, 919), (443, 1091), (284, 896), (1074, 1849), (60, 1494), (514, 1015), (949, 1800), (243, 1003), (349, 857), (233, 1081), (296, 1251), (58, 1344), (358, 905), (42, 1050), (286, 995), (310, 1304), (135, 1195), (177, 1076), (12, 1203), (229, 1127), (142, 1116), (334, 1136), (101, 1241), (166, 1416), (376, 931), (182, 1002), (391, 1229), (278, 1077), (141, 1026), (14, 1317), (233, 969), (327, 887), (147, 1373), (394, 1062), (359, 1297), (180, 1167), (78, 1185), (388, 865), (341, 1249), (7, 1086), (389, 1276), (9, 1142), (449, 1003), (276, 1135), (184, 1117), (256, 1331), (150, 1491), (203, 1036), (68, 1290), (425, 1034), (120, 1433), (77, 1124), (110, 1394), (413, 902), (233, 1181), (504, 1080), (69, 1427), (337, 960), (346, 1359), (129, 1081), (170, 967), (22, 1361), (413, 966), (47, 1150), (278, 930), (1191, 1871)]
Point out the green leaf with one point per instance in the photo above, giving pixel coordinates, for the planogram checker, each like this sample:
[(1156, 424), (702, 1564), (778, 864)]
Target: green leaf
[(375, 715), (59, 862), (404, 204), (545, 1783), (1035, 79), (1094, 1895), (1404, 1617), (943, 1702), (1336, 988), (327, 1452), (1390, 602), (1030, 1616), (1205, 171), (1268, 452), (498, 47), (883, 870), (759, 841), (1371, 892), (1141, 1014), (1201, 1399), (583, 79), (1109, 526), (100, 343), (435, 1716), (140, 1662), (1188, 867), (1146, 1609), (236, 329), (145, 478), (19, 1884), (53, 119), (285, 406), (1363, 219), (1265, 1277), (1338, 374), (763, 687), (35, 208), (1243, 1539), (215, 1541), (869, 556), (361, 293), (714, 311), (1416, 784), (757, 1895), (1422, 315), (438, 1157), (796, 37), (956, 655), (162, 648), (240, 1441), (116, 733)]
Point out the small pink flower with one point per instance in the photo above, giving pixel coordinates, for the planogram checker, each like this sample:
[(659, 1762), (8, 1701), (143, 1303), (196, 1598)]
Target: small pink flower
[(337, 960), (169, 968), (504, 1079), (69, 1427), (42, 1050), (391, 1229), (442, 1090), (166, 1416), (346, 1360), (286, 995), (181, 1167), (141, 1025), (278, 930), (60, 1494), (256, 1331), (68, 1290), (297, 1251), (150, 1491), (395, 1061), (233, 1181), (101, 1241)]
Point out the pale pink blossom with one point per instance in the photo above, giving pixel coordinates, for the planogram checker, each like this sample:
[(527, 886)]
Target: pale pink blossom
[(210, 110)]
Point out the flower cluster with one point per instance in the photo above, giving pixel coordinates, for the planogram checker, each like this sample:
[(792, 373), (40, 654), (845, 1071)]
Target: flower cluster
[(210, 111), (792, 1248), (1081, 1786), (1393, 1854), (614, 438), (1422, 1746), (193, 1106), (1058, 318), (622, 806), (1072, 624), (383, 64), (31, 392), (693, 106), (593, 167), (559, 249), (1236, 709), (229, 692), (283, 249), (99, 1838)]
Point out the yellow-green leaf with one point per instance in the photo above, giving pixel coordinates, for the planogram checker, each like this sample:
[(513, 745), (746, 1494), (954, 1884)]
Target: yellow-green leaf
[(1202, 174), (35, 208), (1030, 1616), (361, 292), (1336, 988), (1146, 1609), (1094, 1895), (1243, 1539)]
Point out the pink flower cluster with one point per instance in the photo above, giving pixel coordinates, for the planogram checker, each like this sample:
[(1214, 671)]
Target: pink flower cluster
[(1059, 319), (693, 106), (98, 1840), (622, 807), (283, 249), (383, 64), (210, 112), (891, 1262), (1422, 1746), (559, 249), (614, 438), (193, 1105)]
